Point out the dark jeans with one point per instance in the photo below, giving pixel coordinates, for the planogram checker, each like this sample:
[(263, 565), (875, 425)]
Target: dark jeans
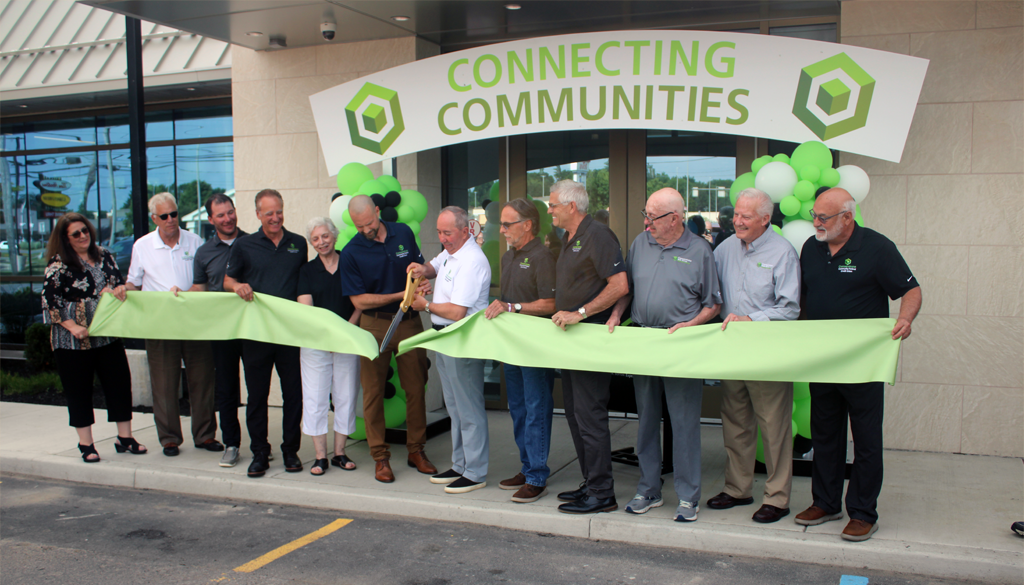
[(530, 404), (76, 368), (585, 395), (260, 359), (830, 405), (226, 357)]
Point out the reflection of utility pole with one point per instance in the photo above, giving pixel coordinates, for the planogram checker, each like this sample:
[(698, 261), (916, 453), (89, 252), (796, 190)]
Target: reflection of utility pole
[(113, 194), (9, 219), (199, 196)]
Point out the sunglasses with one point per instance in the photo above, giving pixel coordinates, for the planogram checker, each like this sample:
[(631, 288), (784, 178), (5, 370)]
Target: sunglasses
[(654, 219), (164, 216), (823, 218), (76, 234), (508, 224)]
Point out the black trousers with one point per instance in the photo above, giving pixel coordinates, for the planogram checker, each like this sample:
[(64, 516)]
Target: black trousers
[(76, 368), (830, 406), (260, 359), (226, 357), (585, 396)]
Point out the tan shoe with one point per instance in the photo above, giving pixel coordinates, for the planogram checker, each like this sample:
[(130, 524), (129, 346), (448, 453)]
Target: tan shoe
[(513, 483), (421, 463), (529, 493), (814, 515), (382, 472), (859, 530)]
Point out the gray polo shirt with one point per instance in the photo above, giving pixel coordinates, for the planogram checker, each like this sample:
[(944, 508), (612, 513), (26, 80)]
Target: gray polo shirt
[(761, 281), (211, 262), (671, 284)]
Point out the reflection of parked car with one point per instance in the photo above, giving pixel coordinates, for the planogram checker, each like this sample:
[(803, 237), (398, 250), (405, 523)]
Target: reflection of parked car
[(122, 251)]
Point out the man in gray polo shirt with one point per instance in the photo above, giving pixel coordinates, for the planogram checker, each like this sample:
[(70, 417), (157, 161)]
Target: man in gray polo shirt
[(760, 275), (672, 284)]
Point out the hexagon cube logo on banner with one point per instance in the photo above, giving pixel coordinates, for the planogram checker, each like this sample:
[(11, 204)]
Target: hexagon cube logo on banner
[(374, 118), (833, 96)]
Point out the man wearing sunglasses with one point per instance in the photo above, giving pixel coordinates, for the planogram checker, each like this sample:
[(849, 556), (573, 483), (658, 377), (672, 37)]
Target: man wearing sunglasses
[(163, 260), (850, 272), (672, 284)]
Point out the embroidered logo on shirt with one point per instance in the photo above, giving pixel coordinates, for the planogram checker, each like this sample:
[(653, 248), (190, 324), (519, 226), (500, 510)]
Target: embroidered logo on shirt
[(845, 266), (683, 260), (525, 263), (402, 252), (768, 266), (577, 247), (292, 249), (448, 276)]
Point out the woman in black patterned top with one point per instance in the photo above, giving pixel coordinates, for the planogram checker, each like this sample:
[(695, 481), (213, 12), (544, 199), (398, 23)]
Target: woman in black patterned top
[(78, 274)]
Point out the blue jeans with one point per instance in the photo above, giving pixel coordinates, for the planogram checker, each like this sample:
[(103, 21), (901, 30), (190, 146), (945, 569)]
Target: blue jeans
[(530, 404)]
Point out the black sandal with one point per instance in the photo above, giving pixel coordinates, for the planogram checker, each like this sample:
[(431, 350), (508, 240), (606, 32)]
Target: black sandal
[(130, 445), (89, 450), (341, 461), (320, 464)]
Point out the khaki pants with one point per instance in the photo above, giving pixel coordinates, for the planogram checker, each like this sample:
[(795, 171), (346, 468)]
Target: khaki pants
[(165, 357), (412, 374), (747, 406)]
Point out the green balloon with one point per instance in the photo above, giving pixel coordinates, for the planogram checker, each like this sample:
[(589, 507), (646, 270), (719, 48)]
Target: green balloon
[(744, 181), (414, 226), (351, 176), (781, 157), (390, 183), (810, 173), (759, 162), (777, 229), (419, 244), (495, 191), (342, 241), (805, 210), (812, 153), (804, 190), (417, 201), (345, 217), (349, 232), (789, 205), (802, 417), (372, 187), (405, 213), (829, 178)]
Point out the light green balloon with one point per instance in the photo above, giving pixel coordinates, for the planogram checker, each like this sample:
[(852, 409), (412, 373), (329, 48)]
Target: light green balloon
[(810, 173), (417, 201), (801, 391), (777, 229), (805, 210), (759, 162), (829, 178), (781, 157), (415, 227), (495, 191), (345, 217), (789, 205), (372, 187), (405, 212), (802, 417), (390, 183), (804, 190), (812, 153), (744, 181), (351, 176), (342, 241)]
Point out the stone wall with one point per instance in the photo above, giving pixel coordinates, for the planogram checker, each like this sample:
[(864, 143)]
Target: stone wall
[(953, 205)]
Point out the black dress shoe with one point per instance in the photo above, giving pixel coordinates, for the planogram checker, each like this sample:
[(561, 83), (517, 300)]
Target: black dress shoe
[(292, 463), (171, 450), (724, 501), (767, 514), (573, 495), (589, 505), (259, 465)]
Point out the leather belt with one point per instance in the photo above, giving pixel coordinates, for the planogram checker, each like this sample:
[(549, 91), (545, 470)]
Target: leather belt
[(388, 316)]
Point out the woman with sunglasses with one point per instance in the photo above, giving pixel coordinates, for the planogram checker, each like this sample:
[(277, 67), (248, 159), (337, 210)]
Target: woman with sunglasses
[(77, 275)]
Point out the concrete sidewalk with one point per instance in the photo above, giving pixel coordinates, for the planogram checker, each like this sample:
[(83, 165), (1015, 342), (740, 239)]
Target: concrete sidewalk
[(940, 515)]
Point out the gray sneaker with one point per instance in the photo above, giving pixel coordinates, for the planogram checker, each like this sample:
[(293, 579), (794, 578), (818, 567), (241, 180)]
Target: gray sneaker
[(687, 512), (640, 504), (230, 457)]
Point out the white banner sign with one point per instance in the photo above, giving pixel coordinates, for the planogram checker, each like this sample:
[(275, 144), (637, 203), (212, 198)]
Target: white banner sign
[(853, 99)]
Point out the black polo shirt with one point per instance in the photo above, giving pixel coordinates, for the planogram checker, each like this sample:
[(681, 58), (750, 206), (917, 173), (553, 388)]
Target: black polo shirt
[(325, 288), (268, 269), (857, 281), (372, 267), (211, 262), (528, 274), (584, 266)]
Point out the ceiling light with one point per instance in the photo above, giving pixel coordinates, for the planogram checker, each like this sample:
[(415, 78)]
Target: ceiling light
[(399, 18), (22, 106), (190, 89), (512, 6), (254, 33)]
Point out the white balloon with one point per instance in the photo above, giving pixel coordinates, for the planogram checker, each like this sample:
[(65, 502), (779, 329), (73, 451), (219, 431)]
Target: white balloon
[(777, 179), (855, 181), (338, 207), (797, 232)]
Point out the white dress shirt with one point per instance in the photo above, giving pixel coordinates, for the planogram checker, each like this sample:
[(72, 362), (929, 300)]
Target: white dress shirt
[(463, 278)]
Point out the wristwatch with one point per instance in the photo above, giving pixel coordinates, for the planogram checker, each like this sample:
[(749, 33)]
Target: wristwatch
[(583, 311), (427, 307), (518, 307)]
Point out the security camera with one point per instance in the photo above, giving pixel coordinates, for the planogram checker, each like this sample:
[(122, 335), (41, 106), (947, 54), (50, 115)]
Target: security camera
[(328, 29)]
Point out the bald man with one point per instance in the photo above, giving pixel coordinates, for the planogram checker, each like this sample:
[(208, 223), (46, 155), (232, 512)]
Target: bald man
[(850, 272), (673, 283)]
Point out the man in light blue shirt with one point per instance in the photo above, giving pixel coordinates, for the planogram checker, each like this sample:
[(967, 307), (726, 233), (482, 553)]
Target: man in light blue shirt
[(760, 275)]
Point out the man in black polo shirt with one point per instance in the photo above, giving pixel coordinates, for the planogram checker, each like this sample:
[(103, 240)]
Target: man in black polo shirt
[(590, 276), (208, 275), (268, 262), (850, 272), (528, 287), (373, 267)]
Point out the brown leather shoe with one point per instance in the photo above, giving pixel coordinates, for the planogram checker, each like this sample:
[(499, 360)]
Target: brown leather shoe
[(382, 471), (814, 515), (529, 493), (421, 463), (858, 530), (513, 483), (767, 514), (724, 501)]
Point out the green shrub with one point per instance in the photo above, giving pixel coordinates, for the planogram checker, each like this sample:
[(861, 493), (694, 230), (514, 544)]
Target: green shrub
[(37, 384), (38, 353)]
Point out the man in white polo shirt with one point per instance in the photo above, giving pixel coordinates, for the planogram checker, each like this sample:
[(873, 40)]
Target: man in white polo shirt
[(463, 283), (163, 261)]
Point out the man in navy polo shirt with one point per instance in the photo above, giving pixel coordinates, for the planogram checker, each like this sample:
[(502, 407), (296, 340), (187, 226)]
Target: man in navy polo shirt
[(850, 272), (373, 267)]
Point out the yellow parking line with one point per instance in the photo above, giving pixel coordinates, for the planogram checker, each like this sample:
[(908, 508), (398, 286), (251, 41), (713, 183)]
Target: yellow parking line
[(293, 545)]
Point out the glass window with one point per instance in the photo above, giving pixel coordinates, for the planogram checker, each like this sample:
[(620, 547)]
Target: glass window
[(159, 126), (13, 138), (813, 32), (113, 129), (21, 309), (202, 123), (211, 166), (60, 134)]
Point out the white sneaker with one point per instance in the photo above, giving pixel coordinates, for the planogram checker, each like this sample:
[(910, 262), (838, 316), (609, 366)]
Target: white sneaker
[(687, 512), (230, 457)]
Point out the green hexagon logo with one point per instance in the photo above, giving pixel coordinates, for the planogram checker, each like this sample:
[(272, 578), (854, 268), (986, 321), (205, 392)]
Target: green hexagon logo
[(841, 93), (374, 118)]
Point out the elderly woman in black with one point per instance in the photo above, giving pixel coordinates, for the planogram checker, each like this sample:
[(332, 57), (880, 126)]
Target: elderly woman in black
[(78, 274)]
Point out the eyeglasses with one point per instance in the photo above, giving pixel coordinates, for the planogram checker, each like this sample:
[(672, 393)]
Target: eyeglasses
[(643, 212), (823, 218), (550, 205), (76, 234), (164, 216), (508, 224)]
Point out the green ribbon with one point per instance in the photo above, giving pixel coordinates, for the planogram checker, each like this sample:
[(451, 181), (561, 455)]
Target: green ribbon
[(223, 315), (842, 351)]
